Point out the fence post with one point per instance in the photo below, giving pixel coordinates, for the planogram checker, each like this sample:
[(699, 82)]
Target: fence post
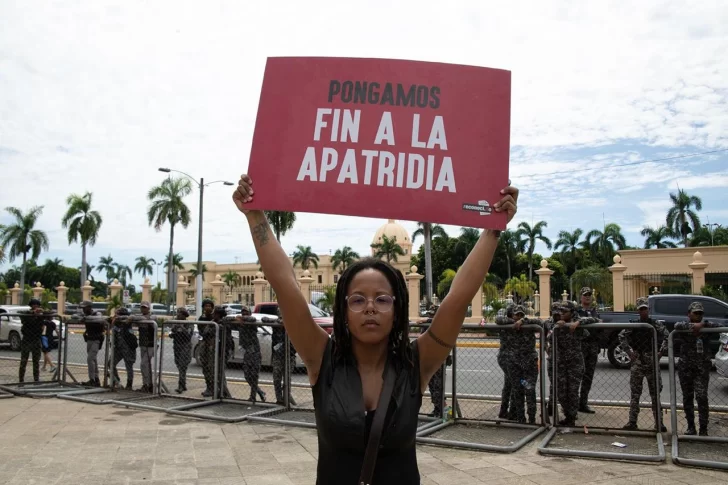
[(537, 301), (15, 293), (86, 290), (305, 281), (115, 288), (146, 290), (564, 296), (62, 289), (618, 270), (413, 288), (37, 290), (476, 305), (217, 285), (181, 292), (698, 268), (258, 285), (544, 284)]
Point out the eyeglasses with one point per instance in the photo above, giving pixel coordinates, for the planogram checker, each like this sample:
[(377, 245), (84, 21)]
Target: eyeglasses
[(382, 303)]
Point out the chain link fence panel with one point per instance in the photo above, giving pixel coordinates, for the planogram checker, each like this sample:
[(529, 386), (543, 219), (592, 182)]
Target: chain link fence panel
[(434, 408), (601, 405), (496, 390), (696, 390)]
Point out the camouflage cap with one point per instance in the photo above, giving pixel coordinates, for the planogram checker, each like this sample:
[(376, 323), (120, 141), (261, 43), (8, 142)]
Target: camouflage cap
[(642, 303), (568, 306), (510, 308), (86, 303), (145, 304), (519, 309), (556, 307), (183, 312), (585, 291), (219, 310), (695, 307)]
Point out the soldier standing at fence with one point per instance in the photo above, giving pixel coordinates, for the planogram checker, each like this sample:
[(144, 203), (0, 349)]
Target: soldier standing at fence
[(226, 346), (147, 340), (181, 335), (590, 348), (523, 366), (637, 343), (94, 337), (125, 345), (30, 345), (207, 347), (278, 341), (548, 328), (693, 368), (570, 359), (252, 357), (507, 410), (436, 384)]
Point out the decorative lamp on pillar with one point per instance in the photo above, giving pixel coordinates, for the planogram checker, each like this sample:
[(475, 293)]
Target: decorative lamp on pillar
[(181, 291), (544, 285), (413, 288), (305, 281), (618, 270), (15, 293), (537, 301), (258, 288), (115, 288), (86, 290), (217, 285), (564, 296), (62, 289), (146, 290), (698, 268)]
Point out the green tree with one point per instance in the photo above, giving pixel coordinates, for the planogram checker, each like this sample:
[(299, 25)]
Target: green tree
[(326, 302), (533, 234), (52, 273), (387, 249), (596, 277), (21, 237), (145, 266), (510, 244), (83, 225), (602, 243), (232, 279), (167, 206), (428, 231), (465, 243), (343, 258), (304, 257), (122, 272), (107, 265), (681, 219), (281, 222), (658, 237), (176, 262), (520, 287), (705, 237), (446, 279), (193, 271), (569, 243)]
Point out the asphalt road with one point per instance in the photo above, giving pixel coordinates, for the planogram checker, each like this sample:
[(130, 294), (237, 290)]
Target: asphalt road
[(477, 369)]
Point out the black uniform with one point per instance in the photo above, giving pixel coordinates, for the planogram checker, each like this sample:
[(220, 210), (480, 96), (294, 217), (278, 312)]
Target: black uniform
[(207, 353), (125, 345), (590, 349), (31, 330), (278, 342), (181, 336), (252, 357)]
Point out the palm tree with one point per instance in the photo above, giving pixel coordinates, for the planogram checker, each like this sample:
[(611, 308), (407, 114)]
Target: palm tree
[(122, 271), (533, 234), (304, 257), (520, 287), (176, 262), (83, 224), (167, 205), (657, 237), (601, 243), (343, 258), (281, 222), (680, 217), (2, 249), (21, 237), (52, 271), (705, 237), (428, 231), (231, 278), (569, 242), (388, 248), (89, 271), (446, 279), (193, 271), (145, 266), (106, 264), (326, 302), (466, 241), (512, 244)]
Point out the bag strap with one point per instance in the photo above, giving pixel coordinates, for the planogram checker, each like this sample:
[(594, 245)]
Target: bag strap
[(375, 434)]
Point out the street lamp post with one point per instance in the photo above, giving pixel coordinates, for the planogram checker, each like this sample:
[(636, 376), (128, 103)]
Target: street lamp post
[(710, 228), (198, 279)]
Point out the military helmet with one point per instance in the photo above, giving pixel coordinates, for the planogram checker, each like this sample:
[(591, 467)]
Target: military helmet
[(34, 301), (122, 311), (568, 306), (219, 310)]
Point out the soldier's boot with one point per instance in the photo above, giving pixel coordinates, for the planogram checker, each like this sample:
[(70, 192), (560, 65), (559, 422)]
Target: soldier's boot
[(181, 386), (568, 421), (531, 419), (584, 408), (503, 414), (207, 392), (97, 382), (691, 426), (261, 394), (129, 383), (436, 412), (663, 429), (703, 427), (631, 426)]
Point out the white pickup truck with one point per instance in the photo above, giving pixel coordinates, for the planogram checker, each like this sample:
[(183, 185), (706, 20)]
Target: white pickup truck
[(10, 326)]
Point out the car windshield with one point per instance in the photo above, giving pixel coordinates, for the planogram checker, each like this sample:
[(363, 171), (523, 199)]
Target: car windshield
[(316, 312)]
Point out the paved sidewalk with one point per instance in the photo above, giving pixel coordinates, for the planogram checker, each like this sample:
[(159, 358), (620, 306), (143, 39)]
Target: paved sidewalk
[(51, 441)]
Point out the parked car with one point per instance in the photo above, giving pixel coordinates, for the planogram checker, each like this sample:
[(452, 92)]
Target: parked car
[(319, 316), (668, 308), (10, 326), (721, 358), (233, 308)]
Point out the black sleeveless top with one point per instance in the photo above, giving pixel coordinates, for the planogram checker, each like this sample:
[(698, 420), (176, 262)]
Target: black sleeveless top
[(343, 425)]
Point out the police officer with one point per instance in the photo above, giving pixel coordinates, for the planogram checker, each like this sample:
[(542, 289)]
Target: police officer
[(226, 346), (507, 410), (181, 335), (278, 342), (637, 343), (125, 345), (146, 345), (94, 338), (250, 346), (693, 368), (590, 349), (570, 359), (207, 347), (31, 329)]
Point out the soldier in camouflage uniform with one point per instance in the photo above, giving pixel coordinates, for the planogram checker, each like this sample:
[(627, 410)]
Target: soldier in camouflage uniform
[(94, 338), (252, 357), (31, 329), (522, 363), (147, 341), (181, 335), (125, 345), (548, 328), (693, 368), (507, 410), (590, 349), (436, 384), (207, 347), (638, 344), (569, 334), (226, 347), (278, 344)]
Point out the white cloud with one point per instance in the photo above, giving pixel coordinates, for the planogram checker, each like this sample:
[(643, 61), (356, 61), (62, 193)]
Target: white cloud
[(106, 92)]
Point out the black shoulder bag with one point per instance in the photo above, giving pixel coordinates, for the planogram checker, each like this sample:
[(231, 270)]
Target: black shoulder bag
[(375, 434)]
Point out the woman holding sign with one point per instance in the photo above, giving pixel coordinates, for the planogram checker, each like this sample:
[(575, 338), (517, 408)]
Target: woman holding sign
[(368, 379)]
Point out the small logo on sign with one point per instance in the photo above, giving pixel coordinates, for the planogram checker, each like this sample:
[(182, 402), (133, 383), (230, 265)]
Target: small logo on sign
[(483, 207)]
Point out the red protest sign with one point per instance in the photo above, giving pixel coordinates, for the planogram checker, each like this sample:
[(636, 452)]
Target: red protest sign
[(382, 138)]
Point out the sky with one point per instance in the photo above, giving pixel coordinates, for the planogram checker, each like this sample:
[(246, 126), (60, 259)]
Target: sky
[(95, 96)]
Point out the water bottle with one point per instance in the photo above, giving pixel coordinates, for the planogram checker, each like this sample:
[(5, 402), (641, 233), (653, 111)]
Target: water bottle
[(448, 413), (699, 346)]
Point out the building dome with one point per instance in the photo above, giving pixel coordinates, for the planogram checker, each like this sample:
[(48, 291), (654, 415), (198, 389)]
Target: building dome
[(391, 229)]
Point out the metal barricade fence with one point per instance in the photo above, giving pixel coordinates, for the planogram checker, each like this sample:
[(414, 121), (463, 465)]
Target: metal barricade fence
[(704, 442), (608, 424), (434, 406), (481, 398), (33, 340)]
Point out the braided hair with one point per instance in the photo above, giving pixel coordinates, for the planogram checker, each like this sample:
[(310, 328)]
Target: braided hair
[(398, 337)]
